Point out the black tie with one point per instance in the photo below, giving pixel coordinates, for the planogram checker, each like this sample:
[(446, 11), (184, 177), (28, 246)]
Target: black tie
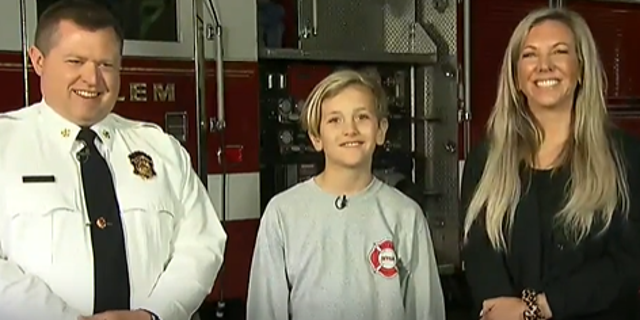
[(111, 275)]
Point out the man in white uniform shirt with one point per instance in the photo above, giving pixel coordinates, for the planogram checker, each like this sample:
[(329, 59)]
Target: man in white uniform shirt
[(101, 217)]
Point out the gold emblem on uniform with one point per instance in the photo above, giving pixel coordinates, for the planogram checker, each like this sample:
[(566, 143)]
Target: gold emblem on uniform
[(65, 133), (106, 134), (101, 223), (142, 165)]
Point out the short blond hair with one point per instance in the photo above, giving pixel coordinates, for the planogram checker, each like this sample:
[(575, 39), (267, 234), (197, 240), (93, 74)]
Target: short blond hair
[(333, 85)]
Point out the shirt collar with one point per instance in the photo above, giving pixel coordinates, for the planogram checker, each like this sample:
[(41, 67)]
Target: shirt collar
[(64, 132)]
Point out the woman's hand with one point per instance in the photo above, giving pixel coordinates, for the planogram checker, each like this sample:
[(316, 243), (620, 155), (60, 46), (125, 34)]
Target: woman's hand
[(544, 306), (503, 308)]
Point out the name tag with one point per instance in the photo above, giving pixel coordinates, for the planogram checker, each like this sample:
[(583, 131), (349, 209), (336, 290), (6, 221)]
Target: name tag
[(38, 179)]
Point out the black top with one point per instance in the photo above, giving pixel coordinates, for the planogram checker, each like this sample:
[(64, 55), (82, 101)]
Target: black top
[(597, 279)]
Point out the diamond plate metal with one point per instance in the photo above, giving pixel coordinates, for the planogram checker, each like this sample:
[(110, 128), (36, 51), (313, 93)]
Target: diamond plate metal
[(438, 138), (439, 21), (370, 26), (401, 33), (338, 25), (420, 27)]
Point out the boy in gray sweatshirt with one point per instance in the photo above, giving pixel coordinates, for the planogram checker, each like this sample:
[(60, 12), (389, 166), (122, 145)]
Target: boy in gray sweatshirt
[(344, 245)]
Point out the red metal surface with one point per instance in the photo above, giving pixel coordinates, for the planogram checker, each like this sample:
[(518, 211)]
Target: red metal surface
[(242, 89), (239, 252), (629, 124), (233, 154), (150, 72), (615, 27), (11, 79), (492, 22)]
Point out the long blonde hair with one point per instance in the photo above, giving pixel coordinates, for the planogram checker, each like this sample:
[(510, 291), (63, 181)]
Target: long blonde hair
[(597, 186)]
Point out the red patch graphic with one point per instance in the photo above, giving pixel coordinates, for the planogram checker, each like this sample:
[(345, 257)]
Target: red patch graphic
[(383, 259)]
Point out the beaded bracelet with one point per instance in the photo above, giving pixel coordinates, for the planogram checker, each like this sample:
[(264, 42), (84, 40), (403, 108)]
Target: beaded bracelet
[(532, 312)]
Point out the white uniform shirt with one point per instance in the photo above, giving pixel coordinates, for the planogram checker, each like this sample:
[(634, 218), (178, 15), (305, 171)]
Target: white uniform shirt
[(174, 240)]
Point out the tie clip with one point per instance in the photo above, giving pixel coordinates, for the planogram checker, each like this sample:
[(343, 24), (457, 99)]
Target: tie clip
[(101, 223)]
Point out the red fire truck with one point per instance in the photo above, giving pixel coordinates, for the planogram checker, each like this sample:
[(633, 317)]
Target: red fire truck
[(238, 118)]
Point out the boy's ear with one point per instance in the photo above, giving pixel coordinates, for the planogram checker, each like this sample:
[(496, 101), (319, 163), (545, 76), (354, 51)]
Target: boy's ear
[(381, 136), (316, 142)]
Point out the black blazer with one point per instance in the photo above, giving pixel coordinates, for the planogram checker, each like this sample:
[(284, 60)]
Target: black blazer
[(598, 278)]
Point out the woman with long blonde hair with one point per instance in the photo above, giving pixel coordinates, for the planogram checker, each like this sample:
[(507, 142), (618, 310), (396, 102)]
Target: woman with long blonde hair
[(551, 227)]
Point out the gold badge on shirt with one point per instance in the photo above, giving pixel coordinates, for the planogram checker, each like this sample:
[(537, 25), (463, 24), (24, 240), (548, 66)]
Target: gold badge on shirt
[(142, 165)]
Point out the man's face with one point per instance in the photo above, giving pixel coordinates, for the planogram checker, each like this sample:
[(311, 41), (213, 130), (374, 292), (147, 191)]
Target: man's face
[(80, 75)]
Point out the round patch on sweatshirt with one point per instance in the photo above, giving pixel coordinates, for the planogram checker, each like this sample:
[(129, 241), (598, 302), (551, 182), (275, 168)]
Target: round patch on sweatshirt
[(383, 259)]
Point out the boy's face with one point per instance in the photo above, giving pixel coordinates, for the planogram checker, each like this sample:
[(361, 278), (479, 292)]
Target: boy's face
[(350, 129)]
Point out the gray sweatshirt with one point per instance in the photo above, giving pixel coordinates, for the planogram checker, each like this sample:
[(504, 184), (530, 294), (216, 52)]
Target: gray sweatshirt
[(371, 260)]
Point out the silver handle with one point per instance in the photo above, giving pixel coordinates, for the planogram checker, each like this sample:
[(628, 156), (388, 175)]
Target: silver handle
[(314, 20)]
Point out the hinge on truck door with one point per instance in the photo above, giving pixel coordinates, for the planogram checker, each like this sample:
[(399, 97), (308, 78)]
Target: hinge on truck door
[(216, 125), (210, 32)]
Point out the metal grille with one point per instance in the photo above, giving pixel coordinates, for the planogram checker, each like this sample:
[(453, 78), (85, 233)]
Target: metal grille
[(374, 26)]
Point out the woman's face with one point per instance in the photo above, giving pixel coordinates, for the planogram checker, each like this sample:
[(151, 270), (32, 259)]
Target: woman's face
[(548, 66)]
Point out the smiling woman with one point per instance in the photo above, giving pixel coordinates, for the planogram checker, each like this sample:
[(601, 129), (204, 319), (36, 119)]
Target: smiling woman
[(550, 228), (548, 68)]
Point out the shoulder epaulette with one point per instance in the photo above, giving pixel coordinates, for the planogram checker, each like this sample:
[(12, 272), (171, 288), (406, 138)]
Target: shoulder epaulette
[(15, 114)]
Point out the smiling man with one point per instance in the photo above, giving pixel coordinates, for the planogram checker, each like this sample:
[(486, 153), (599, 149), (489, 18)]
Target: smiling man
[(78, 65), (74, 244)]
